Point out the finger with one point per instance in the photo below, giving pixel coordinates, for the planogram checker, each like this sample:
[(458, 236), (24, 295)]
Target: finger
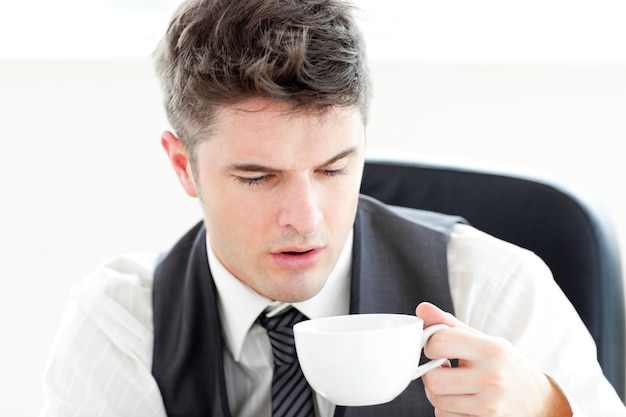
[(452, 405), (432, 314), (451, 381), (464, 344)]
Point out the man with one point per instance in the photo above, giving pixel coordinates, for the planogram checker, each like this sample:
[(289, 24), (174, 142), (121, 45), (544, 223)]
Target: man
[(268, 101)]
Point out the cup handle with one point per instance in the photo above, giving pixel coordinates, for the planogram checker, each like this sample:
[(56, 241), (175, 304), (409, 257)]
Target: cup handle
[(435, 363)]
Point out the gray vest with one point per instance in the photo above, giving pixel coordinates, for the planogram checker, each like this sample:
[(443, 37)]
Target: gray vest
[(399, 260)]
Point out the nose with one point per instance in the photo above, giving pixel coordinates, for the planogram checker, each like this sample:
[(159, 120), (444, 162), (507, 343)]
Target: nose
[(300, 208)]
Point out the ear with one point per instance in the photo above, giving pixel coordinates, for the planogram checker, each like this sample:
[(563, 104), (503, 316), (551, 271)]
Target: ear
[(179, 159)]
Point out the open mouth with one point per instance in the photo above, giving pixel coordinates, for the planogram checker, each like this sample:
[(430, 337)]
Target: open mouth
[(292, 259), (292, 253)]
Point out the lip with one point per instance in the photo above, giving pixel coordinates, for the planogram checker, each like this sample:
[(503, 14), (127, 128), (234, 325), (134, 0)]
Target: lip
[(298, 258)]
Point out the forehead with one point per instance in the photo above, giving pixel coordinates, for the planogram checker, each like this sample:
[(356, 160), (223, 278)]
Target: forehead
[(262, 130)]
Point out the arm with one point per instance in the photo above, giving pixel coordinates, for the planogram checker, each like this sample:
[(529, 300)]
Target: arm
[(101, 356), (506, 298)]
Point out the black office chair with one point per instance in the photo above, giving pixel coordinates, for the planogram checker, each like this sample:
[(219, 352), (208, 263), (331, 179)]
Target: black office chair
[(563, 225)]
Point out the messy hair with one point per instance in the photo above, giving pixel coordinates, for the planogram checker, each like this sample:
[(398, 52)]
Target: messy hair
[(215, 53)]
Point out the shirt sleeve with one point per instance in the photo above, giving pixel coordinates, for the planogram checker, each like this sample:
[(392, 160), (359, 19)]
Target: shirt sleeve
[(506, 291), (100, 363)]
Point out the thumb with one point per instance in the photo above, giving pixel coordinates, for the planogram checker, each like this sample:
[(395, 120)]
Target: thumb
[(432, 314)]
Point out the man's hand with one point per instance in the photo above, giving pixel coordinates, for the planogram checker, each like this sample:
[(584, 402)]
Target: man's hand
[(493, 379)]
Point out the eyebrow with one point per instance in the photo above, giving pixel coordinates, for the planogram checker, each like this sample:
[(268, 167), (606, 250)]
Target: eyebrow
[(261, 168)]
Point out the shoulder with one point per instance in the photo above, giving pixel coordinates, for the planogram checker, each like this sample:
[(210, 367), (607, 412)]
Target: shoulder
[(471, 249), (377, 211), (116, 297), (119, 275)]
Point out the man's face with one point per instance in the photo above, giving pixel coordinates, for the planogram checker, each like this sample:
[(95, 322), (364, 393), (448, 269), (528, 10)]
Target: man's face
[(279, 191)]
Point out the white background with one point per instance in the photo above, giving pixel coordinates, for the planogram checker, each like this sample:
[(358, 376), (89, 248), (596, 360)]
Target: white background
[(541, 84)]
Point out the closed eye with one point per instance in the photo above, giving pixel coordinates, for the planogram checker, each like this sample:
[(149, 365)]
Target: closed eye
[(254, 180), (333, 172), (261, 179)]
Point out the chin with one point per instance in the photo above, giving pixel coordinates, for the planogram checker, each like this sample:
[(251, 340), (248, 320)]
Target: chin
[(298, 295)]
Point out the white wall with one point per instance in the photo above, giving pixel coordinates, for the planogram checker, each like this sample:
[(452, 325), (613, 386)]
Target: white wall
[(83, 176)]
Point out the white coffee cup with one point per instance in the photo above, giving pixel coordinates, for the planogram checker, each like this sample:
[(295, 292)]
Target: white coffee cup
[(363, 359)]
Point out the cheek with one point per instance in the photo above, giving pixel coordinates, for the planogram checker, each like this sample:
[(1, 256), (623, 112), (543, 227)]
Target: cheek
[(235, 219), (340, 210), (348, 193)]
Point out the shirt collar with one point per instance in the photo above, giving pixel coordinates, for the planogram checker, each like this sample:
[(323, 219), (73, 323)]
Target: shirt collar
[(239, 305)]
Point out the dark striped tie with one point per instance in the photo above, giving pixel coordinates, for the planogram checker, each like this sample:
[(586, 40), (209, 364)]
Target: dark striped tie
[(291, 393)]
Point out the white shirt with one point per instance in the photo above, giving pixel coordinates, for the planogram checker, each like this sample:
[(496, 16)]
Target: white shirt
[(100, 364)]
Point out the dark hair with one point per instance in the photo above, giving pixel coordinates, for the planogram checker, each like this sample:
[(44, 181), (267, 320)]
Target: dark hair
[(308, 53)]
